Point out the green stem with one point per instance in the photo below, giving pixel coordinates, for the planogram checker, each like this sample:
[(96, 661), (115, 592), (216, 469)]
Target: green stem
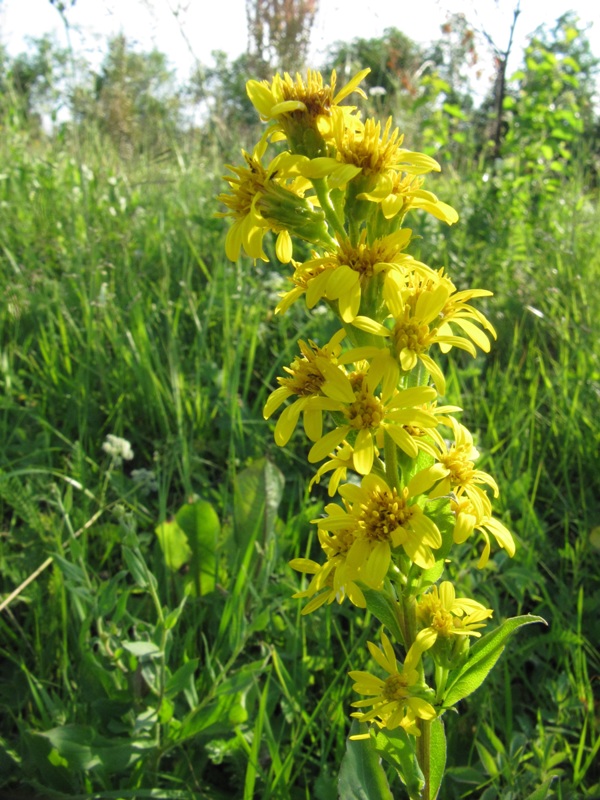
[(327, 207)]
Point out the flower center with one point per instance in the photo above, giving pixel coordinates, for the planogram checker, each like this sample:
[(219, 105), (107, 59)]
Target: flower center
[(382, 514), (367, 411), (341, 542), (245, 186), (369, 149), (461, 469), (306, 377), (317, 98), (443, 622), (395, 688), (409, 334)]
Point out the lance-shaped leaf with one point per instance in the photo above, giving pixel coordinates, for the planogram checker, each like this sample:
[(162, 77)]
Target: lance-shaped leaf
[(398, 749), (437, 750), (361, 775), (482, 657), (384, 608)]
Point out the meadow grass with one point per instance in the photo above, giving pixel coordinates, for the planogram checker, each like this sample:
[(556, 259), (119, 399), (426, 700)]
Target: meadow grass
[(121, 315)]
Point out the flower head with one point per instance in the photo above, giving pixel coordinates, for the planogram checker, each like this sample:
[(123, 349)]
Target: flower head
[(424, 305), (470, 518), (369, 408), (446, 621), (344, 274), (331, 580), (398, 192), (310, 379), (119, 449), (269, 199), (394, 700), (382, 519), (296, 106)]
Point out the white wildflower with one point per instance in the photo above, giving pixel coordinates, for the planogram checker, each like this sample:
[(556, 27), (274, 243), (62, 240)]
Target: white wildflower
[(119, 449)]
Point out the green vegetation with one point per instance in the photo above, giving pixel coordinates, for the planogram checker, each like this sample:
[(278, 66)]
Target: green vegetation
[(149, 644)]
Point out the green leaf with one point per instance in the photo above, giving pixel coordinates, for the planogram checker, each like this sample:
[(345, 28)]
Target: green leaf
[(437, 756), (454, 111), (174, 545), (542, 792), (182, 679), (432, 575), (136, 567), (84, 749), (482, 657), (398, 749), (440, 512), (201, 526), (258, 491), (142, 649), (361, 775), (384, 608)]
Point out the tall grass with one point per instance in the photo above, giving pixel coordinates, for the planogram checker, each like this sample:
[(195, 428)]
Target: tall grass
[(121, 315)]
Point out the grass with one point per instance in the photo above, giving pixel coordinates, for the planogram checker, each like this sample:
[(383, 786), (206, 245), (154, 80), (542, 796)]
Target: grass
[(121, 315)]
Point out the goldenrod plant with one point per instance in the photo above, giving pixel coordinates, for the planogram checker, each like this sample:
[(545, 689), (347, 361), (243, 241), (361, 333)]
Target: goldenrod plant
[(401, 467)]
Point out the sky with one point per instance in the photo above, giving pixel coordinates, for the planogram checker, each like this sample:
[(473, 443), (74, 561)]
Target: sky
[(187, 31)]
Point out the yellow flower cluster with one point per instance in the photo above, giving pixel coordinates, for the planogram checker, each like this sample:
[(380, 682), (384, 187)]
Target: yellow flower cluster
[(402, 467)]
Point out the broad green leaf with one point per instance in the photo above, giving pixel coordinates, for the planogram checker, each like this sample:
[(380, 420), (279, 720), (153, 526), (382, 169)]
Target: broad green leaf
[(437, 755), (361, 775), (258, 490), (398, 749), (174, 545), (142, 649), (384, 608), (85, 749), (201, 526), (482, 657)]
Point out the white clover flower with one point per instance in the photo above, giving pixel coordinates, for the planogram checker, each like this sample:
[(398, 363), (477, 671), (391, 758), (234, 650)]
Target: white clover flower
[(116, 447)]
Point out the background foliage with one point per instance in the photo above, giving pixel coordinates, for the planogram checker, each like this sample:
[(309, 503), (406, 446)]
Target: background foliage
[(149, 643)]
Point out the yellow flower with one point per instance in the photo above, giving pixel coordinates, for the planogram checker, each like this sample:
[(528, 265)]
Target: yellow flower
[(399, 193), (250, 225), (446, 623), (395, 700), (377, 152), (331, 580), (424, 305), (371, 414), (339, 463), (455, 471), (343, 274), (470, 519), (444, 615), (296, 106), (382, 519), (311, 385)]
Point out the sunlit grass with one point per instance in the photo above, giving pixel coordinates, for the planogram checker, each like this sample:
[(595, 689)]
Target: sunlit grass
[(121, 315)]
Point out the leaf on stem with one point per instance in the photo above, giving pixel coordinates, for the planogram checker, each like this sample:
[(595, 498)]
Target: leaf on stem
[(482, 657)]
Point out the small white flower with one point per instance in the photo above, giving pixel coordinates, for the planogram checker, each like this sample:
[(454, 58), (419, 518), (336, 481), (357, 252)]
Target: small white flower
[(145, 479), (119, 449)]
